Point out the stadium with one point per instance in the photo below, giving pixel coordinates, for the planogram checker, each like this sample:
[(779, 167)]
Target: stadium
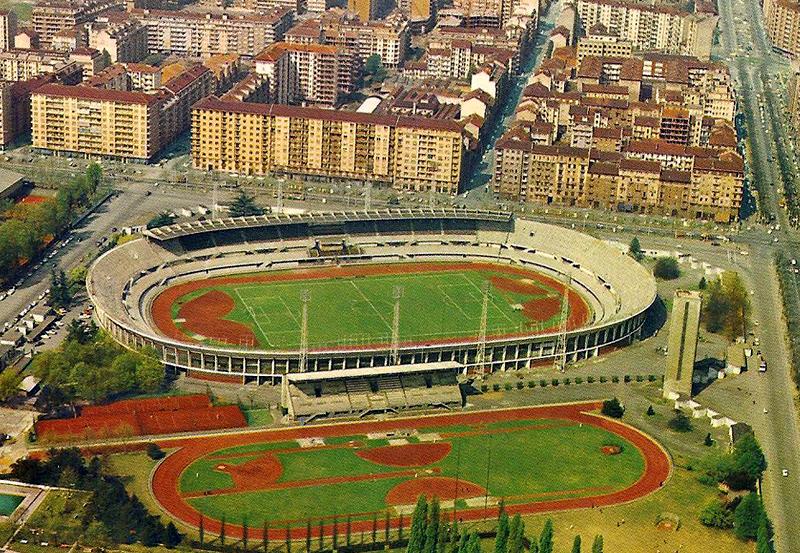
[(371, 310)]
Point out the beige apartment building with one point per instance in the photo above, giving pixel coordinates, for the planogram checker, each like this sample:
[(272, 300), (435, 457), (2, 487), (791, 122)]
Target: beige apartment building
[(404, 152), (700, 187), (306, 73), (782, 22), (600, 43), (656, 28), (96, 121), (8, 29), (50, 17), (202, 35), (125, 41)]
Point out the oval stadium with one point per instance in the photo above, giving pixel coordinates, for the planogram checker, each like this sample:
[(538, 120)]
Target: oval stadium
[(368, 310)]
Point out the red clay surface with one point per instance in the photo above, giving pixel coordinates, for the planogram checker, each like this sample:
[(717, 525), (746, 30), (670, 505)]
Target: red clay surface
[(539, 309), (408, 455), (443, 487), (167, 475), (253, 474), (204, 314), (142, 417)]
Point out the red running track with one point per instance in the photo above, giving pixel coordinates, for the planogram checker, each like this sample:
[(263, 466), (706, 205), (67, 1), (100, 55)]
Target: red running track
[(167, 475)]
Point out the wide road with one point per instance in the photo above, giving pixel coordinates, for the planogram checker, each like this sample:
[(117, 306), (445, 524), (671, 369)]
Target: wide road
[(753, 64)]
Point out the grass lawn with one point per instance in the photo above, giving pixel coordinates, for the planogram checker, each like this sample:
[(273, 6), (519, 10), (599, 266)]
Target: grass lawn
[(541, 456), (258, 417), (359, 309), (135, 469)]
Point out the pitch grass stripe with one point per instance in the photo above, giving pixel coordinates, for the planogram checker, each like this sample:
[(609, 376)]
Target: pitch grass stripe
[(252, 316)]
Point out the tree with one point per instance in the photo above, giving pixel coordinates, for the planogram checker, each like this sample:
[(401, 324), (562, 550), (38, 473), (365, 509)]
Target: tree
[(94, 176), (748, 457), (432, 528), (60, 295), (576, 545), (680, 422), (747, 517), (715, 515), (650, 411), (503, 531), (9, 384), (154, 452), (635, 249), (149, 371), (726, 306), (516, 535), (374, 69), (597, 545), (666, 268), (172, 537), (160, 220), (708, 442), (546, 537), (416, 541), (764, 537), (613, 408), (703, 284), (244, 205)]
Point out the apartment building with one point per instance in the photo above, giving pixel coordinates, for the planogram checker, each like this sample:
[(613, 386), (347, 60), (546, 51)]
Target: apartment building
[(116, 123), (405, 152), (8, 29), (52, 16), (15, 107), (367, 10), (459, 60), (599, 42), (314, 74), (782, 23), (266, 6), (193, 34), (124, 40), (652, 28), (143, 77), (706, 188), (21, 65)]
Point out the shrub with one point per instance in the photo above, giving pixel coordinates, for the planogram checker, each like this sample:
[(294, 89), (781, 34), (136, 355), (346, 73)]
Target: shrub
[(531, 383), (578, 380), (496, 387), (666, 268), (614, 379), (484, 387), (639, 378), (520, 385), (715, 515), (543, 383), (613, 408), (680, 422), (589, 379), (651, 378), (508, 386), (554, 382), (708, 442), (627, 378), (154, 452), (603, 379), (651, 411), (567, 382)]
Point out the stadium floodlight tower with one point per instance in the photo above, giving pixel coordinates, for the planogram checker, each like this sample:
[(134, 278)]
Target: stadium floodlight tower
[(480, 355), (397, 293), (560, 357)]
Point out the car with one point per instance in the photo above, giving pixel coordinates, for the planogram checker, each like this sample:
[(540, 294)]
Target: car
[(785, 472)]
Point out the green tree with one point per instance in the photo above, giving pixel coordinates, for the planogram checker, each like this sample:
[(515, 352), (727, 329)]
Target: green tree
[(244, 205), (666, 268), (160, 220), (680, 422), (419, 521), (708, 441), (473, 543), (764, 537), (715, 515), (635, 249), (613, 408), (747, 517), (748, 457), (651, 411), (172, 538), (546, 537), (703, 284), (503, 530), (94, 176), (516, 542), (149, 371), (374, 69), (726, 306), (9, 384), (597, 544), (576, 545)]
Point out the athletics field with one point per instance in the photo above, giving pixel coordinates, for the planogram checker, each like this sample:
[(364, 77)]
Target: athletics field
[(354, 305), (537, 459)]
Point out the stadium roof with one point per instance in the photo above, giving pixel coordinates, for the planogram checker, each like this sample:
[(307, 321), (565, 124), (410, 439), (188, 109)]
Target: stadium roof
[(321, 217), (374, 371)]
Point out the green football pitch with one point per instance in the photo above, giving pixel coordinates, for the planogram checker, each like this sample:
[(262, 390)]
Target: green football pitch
[(356, 305), (522, 461)]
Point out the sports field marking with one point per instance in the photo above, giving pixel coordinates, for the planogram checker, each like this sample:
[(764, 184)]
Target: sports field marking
[(252, 315), (378, 313), (491, 298)]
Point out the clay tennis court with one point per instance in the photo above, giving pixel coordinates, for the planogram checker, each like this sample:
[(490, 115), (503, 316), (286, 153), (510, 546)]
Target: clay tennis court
[(401, 472), (262, 309)]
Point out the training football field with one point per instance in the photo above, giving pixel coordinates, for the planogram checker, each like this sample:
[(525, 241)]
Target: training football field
[(436, 303)]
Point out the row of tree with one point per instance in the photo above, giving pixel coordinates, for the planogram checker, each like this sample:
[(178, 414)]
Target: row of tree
[(90, 365), (27, 227), (739, 469), (112, 516), (726, 305), (745, 515), (432, 532)]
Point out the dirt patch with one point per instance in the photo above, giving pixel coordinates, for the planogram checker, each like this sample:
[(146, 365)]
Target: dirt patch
[(255, 474), (523, 286), (409, 455), (542, 309), (611, 450), (203, 315), (444, 488)]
